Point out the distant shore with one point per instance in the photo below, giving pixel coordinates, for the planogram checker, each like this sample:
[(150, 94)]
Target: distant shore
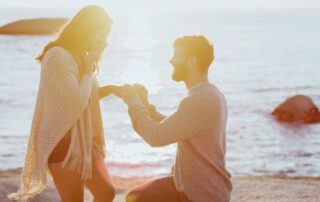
[(246, 188), (36, 26)]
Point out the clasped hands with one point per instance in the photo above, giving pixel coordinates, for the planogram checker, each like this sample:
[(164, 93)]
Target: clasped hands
[(130, 94)]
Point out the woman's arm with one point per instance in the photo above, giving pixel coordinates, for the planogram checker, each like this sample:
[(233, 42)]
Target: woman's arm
[(108, 89), (62, 75)]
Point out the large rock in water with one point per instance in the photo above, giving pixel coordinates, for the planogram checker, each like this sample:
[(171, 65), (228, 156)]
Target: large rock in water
[(41, 26), (299, 108)]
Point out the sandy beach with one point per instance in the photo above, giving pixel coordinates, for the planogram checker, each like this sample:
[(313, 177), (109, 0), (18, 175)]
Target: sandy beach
[(249, 188)]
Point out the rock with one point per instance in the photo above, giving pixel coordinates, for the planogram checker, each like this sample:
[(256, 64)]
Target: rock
[(41, 26), (299, 108)]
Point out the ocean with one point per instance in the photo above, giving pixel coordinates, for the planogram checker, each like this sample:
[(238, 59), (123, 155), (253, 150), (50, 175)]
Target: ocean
[(262, 56)]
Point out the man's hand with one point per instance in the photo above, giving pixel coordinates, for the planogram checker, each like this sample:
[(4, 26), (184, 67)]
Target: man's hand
[(143, 94), (129, 95), (140, 94)]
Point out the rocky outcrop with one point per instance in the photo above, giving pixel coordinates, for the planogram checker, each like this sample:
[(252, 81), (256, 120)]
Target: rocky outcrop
[(41, 26), (299, 108)]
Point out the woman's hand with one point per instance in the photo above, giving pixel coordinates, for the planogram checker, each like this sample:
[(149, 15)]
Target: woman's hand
[(96, 52), (92, 57), (88, 64)]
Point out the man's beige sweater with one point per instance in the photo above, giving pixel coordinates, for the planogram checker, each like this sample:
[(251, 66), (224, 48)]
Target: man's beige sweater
[(199, 129)]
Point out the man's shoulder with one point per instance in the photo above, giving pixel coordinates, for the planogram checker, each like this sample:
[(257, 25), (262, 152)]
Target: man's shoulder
[(207, 96), (208, 91)]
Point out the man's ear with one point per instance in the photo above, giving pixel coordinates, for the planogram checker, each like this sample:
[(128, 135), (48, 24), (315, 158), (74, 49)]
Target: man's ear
[(193, 61)]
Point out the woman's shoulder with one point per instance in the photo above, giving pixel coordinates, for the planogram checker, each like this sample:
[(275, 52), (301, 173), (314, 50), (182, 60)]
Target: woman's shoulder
[(58, 58), (58, 53)]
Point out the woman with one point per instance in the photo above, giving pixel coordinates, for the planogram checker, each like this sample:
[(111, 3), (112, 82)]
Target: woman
[(67, 136)]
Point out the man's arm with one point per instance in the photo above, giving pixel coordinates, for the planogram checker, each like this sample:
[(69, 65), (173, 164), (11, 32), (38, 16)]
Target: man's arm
[(155, 114), (181, 125), (143, 96), (186, 122)]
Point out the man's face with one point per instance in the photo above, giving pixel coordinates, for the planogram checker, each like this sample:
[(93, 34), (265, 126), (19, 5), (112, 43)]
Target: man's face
[(178, 62)]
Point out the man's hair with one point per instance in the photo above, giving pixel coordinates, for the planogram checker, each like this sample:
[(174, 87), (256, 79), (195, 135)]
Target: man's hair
[(199, 47)]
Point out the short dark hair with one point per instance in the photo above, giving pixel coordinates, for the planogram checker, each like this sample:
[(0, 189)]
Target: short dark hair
[(197, 46)]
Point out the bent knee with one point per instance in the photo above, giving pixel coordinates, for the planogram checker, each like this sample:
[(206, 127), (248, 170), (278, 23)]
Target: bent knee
[(130, 197), (134, 196)]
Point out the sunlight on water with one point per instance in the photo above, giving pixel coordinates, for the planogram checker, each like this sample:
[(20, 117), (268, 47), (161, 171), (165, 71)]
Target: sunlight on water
[(261, 58)]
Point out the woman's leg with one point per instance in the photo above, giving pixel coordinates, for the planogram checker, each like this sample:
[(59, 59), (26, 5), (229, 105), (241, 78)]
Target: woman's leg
[(68, 184), (100, 185)]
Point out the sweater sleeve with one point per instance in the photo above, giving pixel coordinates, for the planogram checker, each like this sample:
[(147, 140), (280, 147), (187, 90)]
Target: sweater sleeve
[(182, 124), (63, 77), (155, 114)]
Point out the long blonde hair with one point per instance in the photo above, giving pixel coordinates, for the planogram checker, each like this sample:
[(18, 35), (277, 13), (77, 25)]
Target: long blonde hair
[(80, 29)]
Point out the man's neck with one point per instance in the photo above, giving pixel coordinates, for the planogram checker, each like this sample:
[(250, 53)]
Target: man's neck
[(195, 81)]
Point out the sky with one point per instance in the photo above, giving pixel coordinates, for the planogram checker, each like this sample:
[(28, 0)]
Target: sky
[(163, 4)]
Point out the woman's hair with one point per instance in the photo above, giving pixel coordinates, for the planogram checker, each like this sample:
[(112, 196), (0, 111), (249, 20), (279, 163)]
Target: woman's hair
[(80, 29)]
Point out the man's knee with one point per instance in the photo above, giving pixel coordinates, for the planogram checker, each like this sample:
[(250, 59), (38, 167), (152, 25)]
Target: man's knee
[(134, 196)]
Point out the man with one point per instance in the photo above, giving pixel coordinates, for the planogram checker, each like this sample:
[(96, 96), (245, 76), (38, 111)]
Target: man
[(198, 127)]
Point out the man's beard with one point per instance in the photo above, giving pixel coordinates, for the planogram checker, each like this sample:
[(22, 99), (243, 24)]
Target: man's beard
[(180, 72)]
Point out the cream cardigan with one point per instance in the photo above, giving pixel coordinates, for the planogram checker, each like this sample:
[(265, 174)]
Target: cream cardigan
[(64, 102)]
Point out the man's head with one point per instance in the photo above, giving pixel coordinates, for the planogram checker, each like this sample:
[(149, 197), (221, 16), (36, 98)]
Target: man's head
[(193, 55)]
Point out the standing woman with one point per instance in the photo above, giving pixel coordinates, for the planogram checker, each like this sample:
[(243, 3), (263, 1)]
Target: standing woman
[(67, 136)]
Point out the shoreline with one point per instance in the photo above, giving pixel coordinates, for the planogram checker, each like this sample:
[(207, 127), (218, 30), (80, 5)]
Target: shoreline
[(246, 188)]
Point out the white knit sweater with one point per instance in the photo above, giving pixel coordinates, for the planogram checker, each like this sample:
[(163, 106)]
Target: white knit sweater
[(64, 102)]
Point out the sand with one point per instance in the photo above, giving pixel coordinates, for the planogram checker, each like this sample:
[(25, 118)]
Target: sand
[(249, 188)]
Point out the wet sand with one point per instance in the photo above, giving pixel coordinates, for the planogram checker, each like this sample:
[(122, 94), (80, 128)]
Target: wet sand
[(248, 188)]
